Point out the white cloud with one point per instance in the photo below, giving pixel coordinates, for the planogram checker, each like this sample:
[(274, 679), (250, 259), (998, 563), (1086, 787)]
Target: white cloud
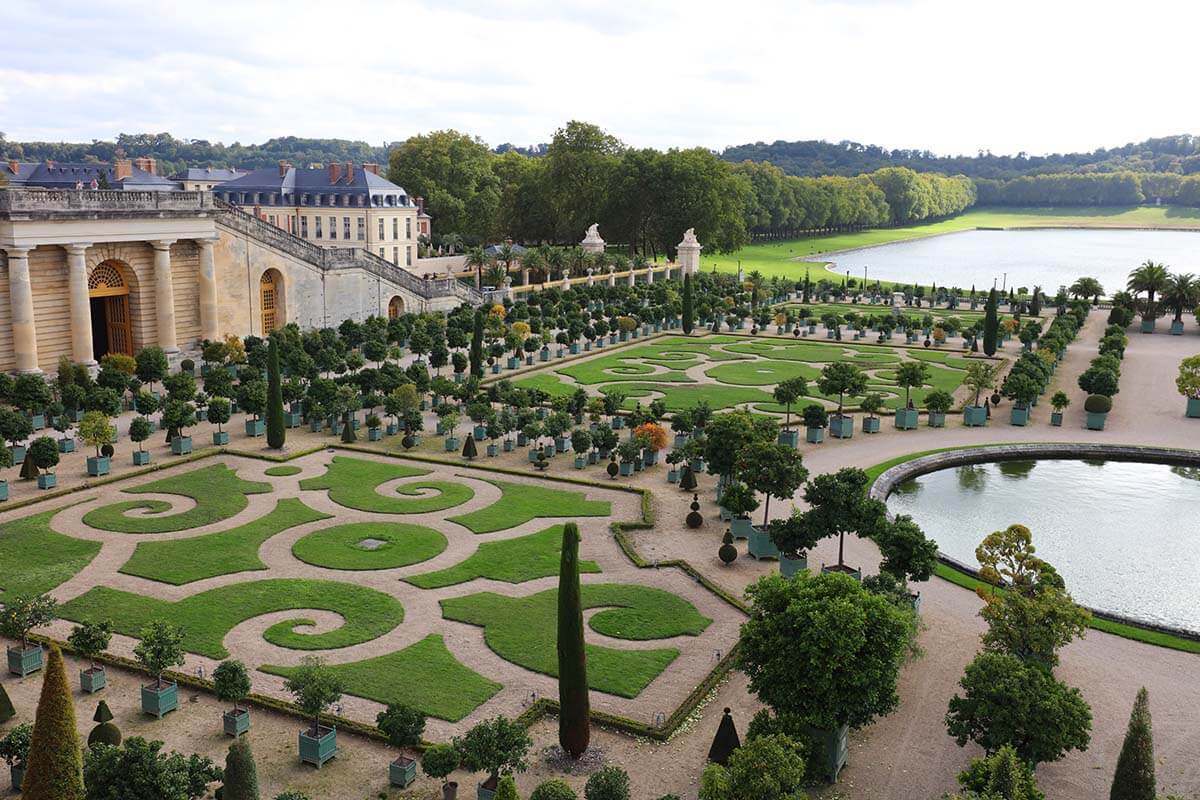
[(948, 75)]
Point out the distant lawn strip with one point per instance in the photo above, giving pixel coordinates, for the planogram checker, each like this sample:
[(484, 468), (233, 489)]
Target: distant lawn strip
[(678, 398), (396, 545), (352, 482), (522, 630), (284, 471), (546, 382), (35, 559), (180, 561), (207, 617), (512, 560), (520, 502), (218, 491), (425, 676), (948, 359), (817, 352)]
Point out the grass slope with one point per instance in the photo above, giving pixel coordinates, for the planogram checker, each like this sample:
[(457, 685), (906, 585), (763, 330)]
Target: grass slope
[(34, 558), (512, 560), (207, 617), (523, 630), (338, 547), (424, 675), (218, 491), (352, 482), (180, 561), (521, 502)]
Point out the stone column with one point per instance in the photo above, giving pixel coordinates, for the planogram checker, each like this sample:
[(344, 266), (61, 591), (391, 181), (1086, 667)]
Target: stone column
[(208, 291), (20, 298), (164, 295), (689, 254), (81, 304)]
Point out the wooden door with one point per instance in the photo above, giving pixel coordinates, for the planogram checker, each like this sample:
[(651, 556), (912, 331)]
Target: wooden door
[(116, 319), (268, 293)]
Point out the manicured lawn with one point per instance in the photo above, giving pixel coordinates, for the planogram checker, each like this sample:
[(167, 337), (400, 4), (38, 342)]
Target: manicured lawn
[(180, 561), (513, 560), (762, 373), (283, 471), (349, 546), (218, 491), (677, 398), (207, 617), (352, 482), (546, 382), (521, 502), (425, 676), (674, 352), (523, 631), (780, 258), (34, 559)]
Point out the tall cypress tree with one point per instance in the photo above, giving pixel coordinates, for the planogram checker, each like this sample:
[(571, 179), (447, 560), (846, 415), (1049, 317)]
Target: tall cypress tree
[(477, 345), (276, 432), (1134, 778), (689, 311), (991, 324), (55, 767), (241, 775), (574, 730)]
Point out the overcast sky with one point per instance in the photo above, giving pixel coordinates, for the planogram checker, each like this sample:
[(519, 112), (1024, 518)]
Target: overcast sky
[(953, 76)]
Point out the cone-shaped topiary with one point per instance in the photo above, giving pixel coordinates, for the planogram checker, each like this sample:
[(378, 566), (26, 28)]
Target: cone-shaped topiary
[(106, 732), (55, 767), (725, 741), (7, 711), (469, 450), (276, 432), (574, 731), (348, 436), (1134, 778), (728, 553), (687, 481), (694, 518), (241, 775), (689, 314)]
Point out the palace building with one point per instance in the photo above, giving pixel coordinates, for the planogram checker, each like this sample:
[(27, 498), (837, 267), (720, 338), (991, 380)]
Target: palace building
[(87, 271)]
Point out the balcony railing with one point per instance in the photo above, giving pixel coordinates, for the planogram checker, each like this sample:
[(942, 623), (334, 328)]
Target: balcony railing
[(100, 200)]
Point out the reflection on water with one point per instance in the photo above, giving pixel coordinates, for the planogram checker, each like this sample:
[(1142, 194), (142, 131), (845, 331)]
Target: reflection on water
[(1123, 535)]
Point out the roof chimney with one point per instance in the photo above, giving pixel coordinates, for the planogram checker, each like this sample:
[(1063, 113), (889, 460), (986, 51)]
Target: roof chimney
[(122, 169), (146, 164), (284, 166), (335, 172), (349, 172), (49, 164), (420, 201), (370, 167), (12, 166)]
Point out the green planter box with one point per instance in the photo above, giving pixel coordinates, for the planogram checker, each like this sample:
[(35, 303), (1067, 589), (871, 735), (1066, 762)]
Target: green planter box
[(493, 450), (1095, 422), (160, 700), (47, 480), (741, 527), (1193, 407), (451, 444), (851, 571), (790, 566), (235, 723), (1148, 325), (98, 465), (181, 445), (561, 443), (374, 434), (255, 427), (1056, 418), (93, 679), (402, 772), (17, 776), (318, 749), (626, 468), (3, 489), (485, 792), (1019, 416), (907, 419), (831, 746), (533, 455), (975, 416), (841, 427), (760, 545), (815, 435), (870, 424), (141, 458), (18, 454), (220, 438), (580, 462), (479, 432), (315, 425), (25, 661), (1177, 328), (38, 421), (66, 445), (937, 419), (392, 428), (293, 419)]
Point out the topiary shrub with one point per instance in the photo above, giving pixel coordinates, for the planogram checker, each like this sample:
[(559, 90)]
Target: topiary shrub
[(106, 732), (554, 789), (507, 789), (1097, 404), (609, 783), (7, 711), (727, 552), (241, 775)]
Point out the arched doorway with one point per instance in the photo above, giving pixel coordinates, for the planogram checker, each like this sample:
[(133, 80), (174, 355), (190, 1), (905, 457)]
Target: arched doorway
[(270, 296), (395, 307), (108, 293)]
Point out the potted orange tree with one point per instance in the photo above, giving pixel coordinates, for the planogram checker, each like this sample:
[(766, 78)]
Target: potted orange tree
[(160, 648), (403, 726), (316, 687), (231, 684), (18, 617), (89, 640)]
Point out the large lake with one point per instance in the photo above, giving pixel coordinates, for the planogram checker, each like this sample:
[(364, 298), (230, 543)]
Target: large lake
[(1048, 258), (1123, 535)]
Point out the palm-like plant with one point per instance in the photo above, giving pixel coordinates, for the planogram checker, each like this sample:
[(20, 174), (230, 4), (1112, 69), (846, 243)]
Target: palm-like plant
[(556, 261), (1087, 287), (1150, 278), (1181, 294), (477, 259), (533, 260)]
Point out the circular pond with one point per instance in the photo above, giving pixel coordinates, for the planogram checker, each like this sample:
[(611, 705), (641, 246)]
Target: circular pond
[(1123, 534)]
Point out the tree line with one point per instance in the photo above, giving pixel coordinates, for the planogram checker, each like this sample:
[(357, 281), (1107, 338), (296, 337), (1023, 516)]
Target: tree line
[(1091, 189)]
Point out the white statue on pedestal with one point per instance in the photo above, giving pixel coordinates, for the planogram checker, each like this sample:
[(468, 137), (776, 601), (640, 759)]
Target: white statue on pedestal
[(592, 243)]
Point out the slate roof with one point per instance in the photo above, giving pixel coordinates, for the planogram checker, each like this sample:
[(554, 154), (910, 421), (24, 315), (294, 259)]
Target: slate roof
[(65, 175), (300, 180)]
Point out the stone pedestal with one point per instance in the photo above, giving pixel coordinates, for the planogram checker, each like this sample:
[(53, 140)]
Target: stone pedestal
[(689, 254), (592, 243)]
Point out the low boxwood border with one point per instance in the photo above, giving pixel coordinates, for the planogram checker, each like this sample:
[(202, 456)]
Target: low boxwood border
[(965, 576)]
